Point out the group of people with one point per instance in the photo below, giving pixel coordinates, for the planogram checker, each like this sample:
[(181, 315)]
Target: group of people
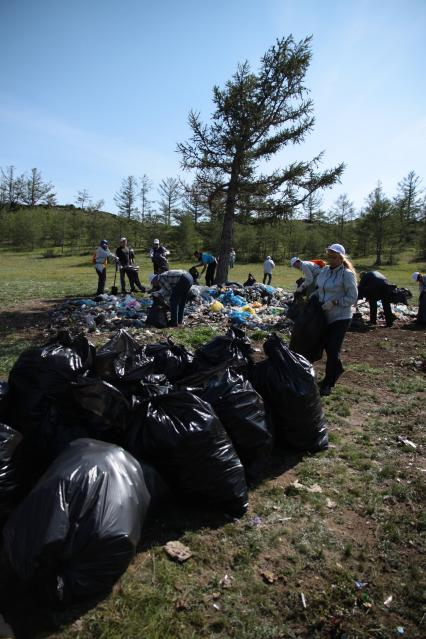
[(333, 283), (336, 287)]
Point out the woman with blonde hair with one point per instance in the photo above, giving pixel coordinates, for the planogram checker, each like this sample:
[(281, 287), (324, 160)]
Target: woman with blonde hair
[(337, 291)]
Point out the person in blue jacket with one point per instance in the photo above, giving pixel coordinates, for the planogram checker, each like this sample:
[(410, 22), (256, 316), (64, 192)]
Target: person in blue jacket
[(208, 263), (338, 293)]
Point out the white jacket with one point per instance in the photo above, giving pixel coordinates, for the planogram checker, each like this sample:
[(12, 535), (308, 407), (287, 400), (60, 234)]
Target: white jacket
[(337, 284), (102, 256), (268, 266)]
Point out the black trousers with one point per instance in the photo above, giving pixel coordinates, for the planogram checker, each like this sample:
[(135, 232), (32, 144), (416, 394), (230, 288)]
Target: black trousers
[(333, 343), (178, 299), (101, 281), (267, 276), (210, 273), (387, 309), (134, 281)]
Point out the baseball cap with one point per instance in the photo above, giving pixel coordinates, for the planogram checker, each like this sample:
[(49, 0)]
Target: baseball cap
[(337, 248), (415, 275), (156, 241), (294, 260), (103, 242), (123, 239)]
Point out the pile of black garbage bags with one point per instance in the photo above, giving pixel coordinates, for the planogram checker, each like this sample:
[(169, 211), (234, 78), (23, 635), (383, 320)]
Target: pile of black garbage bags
[(91, 438)]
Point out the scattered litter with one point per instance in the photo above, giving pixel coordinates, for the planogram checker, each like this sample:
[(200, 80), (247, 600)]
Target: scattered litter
[(226, 581), (268, 576), (302, 596), (216, 606), (315, 488), (406, 442), (387, 602), (178, 551), (400, 630), (330, 503), (255, 522), (360, 584)]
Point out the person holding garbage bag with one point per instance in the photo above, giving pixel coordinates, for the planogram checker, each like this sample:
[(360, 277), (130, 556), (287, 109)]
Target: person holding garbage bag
[(126, 255), (373, 286), (100, 259), (310, 271), (421, 280), (337, 291), (173, 288)]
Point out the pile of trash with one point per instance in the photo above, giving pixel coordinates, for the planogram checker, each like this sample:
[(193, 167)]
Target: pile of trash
[(257, 307), (90, 439)]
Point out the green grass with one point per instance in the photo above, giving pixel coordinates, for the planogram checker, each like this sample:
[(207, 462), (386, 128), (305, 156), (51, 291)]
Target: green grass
[(28, 275), (367, 524)]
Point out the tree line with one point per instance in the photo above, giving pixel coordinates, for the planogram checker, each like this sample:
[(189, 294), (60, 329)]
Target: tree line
[(231, 200)]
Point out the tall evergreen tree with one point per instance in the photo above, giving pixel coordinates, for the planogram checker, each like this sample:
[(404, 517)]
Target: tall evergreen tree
[(408, 205), (377, 220), (170, 192), (255, 117), (342, 212), (126, 197), (145, 188), (36, 191)]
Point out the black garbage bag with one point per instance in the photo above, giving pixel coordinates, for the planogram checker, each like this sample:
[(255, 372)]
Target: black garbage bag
[(41, 375), (308, 332), (157, 315), (4, 393), (11, 470), (181, 436), (296, 307), (91, 408), (122, 359), (358, 325), (399, 295), (76, 532), (286, 381), (241, 411), (232, 350), (172, 360)]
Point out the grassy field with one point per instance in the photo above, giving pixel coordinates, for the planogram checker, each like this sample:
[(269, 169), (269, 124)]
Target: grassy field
[(29, 276), (333, 544)]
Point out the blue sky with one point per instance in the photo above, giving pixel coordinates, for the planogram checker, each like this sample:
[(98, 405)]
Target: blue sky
[(93, 91)]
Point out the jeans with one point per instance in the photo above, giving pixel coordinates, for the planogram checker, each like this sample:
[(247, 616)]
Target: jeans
[(269, 276), (333, 342), (179, 298), (101, 281), (210, 273), (387, 309)]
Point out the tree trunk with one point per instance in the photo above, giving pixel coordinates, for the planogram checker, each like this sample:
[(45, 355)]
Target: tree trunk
[(227, 235)]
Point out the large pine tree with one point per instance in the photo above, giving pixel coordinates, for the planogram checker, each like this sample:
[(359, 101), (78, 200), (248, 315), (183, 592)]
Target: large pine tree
[(255, 117)]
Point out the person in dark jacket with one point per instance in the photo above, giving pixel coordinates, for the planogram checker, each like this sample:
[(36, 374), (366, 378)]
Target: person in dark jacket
[(173, 288), (421, 280), (158, 255), (373, 286), (126, 255)]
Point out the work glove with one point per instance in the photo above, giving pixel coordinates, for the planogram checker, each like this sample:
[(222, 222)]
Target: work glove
[(327, 306)]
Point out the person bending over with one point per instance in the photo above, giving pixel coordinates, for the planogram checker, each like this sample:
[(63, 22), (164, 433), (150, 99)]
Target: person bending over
[(373, 286), (310, 272), (173, 288), (208, 263)]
